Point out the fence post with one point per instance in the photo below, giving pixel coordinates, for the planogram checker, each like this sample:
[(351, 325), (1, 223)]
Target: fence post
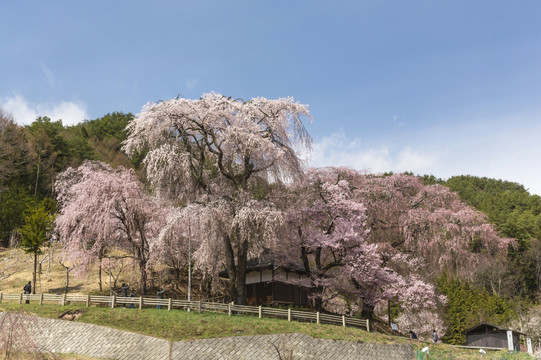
[(64, 300), (113, 301), (170, 304), (20, 298), (260, 312), (41, 299), (317, 317), (228, 310), (289, 314), (344, 320), (199, 306), (368, 325), (88, 300), (140, 302)]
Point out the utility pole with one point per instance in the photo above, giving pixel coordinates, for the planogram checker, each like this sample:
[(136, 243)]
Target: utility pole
[(189, 261)]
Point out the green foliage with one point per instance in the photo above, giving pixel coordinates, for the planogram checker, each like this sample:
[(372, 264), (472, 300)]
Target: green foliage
[(49, 142), (105, 135), (79, 147), (508, 205), (38, 223), (15, 152), (468, 306), (138, 157), (32, 156), (14, 201), (109, 126), (515, 213), (177, 325)]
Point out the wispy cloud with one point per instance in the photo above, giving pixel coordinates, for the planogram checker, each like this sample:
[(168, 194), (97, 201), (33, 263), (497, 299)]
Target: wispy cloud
[(506, 148), (398, 122), (48, 74), (191, 83), (25, 113), (339, 150)]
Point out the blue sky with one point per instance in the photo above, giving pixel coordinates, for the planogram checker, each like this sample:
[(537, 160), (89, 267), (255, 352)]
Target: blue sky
[(434, 87)]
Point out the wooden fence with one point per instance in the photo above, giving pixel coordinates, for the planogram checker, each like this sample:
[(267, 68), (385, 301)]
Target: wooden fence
[(199, 306)]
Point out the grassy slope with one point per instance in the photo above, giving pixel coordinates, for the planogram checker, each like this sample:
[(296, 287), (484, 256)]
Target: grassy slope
[(20, 265), (181, 325)]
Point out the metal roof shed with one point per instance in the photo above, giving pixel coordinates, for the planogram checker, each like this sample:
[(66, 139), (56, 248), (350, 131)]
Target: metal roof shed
[(492, 336)]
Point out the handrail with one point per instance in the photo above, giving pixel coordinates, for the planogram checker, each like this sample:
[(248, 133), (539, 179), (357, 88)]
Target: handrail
[(169, 303)]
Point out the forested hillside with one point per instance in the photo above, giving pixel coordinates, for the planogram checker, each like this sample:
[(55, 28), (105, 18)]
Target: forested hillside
[(515, 286), (32, 156), (419, 250), (516, 214)]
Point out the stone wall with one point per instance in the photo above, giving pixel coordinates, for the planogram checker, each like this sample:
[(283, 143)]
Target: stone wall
[(60, 336), (286, 347)]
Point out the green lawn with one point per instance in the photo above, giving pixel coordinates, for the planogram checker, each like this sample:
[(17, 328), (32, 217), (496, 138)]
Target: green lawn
[(178, 325)]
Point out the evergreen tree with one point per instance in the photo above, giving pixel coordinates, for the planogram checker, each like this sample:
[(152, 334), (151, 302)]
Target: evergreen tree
[(35, 232)]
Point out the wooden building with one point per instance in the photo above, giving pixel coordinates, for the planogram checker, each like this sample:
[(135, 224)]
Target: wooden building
[(492, 336), (270, 285)]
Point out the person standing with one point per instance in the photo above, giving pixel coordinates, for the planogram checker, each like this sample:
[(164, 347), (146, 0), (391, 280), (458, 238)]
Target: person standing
[(160, 296), (434, 336), (28, 290), (124, 292), (132, 295)]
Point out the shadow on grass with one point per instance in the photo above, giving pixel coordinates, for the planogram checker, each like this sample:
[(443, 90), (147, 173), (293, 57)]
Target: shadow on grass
[(62, 290)]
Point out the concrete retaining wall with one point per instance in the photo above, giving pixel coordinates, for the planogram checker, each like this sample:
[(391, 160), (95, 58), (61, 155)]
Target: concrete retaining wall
[(60, 336)]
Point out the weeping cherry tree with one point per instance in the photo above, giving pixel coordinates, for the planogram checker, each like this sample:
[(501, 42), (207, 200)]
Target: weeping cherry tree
[(223, 154)]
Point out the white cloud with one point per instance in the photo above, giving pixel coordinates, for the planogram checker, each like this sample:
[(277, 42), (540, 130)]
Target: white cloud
[(415, 160), (191, 83), (507, 148), (339, 150), (398, 123), (508, 151), (20, 110), (48, 74), (70, 113)]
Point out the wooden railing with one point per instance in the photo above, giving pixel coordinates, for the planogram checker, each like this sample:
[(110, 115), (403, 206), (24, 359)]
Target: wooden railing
[(199, 306)]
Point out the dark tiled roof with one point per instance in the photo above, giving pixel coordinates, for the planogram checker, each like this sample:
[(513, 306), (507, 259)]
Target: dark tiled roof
[(488, 328), (263, 262)]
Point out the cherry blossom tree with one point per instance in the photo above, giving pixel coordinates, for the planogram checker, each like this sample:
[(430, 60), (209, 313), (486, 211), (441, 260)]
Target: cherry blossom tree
[(421, 305), (422, 231), (223, 153), (327, 231), (104, 208), (430, 223)]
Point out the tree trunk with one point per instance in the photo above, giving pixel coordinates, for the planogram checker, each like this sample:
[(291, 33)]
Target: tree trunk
[(99, 277), (242, 255), (389, 312), (231, 268), (206, 285), (143, 269), (49, 262), (367, 311), (67, 276), (1, 189), (67, 279), (237, 274), (34, 274), (37, 178), (317, 292)]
